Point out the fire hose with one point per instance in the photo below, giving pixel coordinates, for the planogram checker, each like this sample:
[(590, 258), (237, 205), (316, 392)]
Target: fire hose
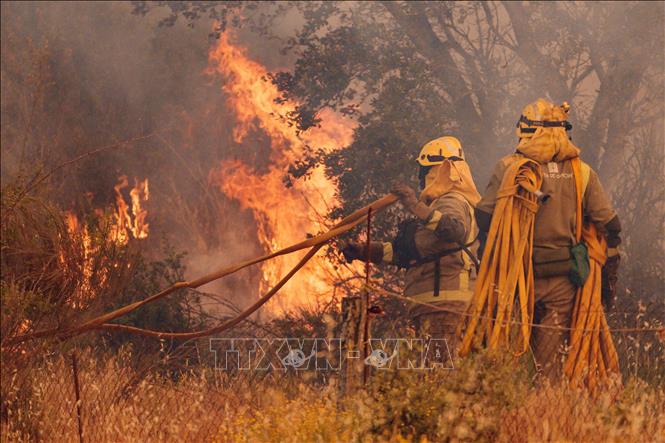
[(506, 269), (506, 280), (592, 357), (314, 243)]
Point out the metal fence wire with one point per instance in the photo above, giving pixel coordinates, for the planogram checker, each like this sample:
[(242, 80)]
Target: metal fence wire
[(64, 393)]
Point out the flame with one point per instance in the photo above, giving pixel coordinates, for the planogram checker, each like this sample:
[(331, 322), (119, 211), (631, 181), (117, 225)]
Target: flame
[(283, 215), (83, 293), (134, 226), (123, 227)]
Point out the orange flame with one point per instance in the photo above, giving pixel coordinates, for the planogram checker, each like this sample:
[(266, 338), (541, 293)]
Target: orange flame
[(134, 226), (283, 215), (83, 293), (123, 227)]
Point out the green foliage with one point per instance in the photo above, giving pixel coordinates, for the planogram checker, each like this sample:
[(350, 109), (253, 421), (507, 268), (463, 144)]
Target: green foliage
[(178, 312), (193, 11)]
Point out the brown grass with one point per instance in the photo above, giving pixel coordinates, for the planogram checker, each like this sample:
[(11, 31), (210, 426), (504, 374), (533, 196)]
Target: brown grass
[(483, 400)]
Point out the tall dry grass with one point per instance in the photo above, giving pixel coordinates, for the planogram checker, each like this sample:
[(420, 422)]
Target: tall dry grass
[(482, 400)]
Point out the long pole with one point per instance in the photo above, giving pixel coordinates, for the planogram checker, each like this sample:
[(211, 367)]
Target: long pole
[(365, 295)]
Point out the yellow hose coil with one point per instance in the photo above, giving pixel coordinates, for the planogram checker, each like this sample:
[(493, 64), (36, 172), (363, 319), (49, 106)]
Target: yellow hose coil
[(592, 357), (506, 270)]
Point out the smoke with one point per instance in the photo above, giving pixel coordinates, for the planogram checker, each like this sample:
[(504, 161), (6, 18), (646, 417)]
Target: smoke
[(94, 74)]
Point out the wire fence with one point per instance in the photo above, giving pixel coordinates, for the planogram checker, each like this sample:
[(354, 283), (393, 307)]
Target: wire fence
[(71, 393), (93, 400)]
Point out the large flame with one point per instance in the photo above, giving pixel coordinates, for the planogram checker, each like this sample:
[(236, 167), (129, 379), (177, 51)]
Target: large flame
[(283, 215)]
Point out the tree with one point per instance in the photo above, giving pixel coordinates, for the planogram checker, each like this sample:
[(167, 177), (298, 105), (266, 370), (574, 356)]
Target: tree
[(483, 62), (473, 64)]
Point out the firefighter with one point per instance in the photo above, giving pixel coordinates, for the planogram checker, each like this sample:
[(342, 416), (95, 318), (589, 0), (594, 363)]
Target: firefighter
[(435, 245), (542, 132)]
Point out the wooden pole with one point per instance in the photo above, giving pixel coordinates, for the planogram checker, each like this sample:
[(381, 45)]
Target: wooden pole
[(366, 298), (351, 336), (355, 331)]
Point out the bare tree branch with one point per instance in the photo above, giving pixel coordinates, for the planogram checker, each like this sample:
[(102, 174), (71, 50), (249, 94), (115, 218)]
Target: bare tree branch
[(419, 30), (540, 65)]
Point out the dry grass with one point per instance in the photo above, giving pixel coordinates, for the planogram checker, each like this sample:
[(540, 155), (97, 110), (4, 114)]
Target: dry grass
[(483, 400)]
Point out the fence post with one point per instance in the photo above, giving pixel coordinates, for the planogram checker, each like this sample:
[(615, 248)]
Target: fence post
[(77, 390), (356, 330), (354, 314)]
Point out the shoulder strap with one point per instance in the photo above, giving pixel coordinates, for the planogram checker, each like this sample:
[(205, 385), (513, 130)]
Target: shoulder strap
[(579, 193), (586, 173)]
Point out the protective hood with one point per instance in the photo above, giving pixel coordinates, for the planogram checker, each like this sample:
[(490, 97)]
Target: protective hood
[(542, 132), (450, 176)]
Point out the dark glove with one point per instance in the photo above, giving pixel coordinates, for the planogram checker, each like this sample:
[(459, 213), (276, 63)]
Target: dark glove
[(407, 197), (406, 194), (351, 251), (610, 277), (356, 251)]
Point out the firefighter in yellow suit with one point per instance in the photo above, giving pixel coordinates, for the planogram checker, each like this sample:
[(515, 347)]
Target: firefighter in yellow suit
[(554, 230), (436, 246)]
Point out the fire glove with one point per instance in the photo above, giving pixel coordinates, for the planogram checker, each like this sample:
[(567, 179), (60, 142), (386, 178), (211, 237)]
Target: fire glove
[(610, 276), (406, 194), (357, 251), (407, 197)]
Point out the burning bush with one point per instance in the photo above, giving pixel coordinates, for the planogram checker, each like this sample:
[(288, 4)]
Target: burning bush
[(58, 270), (50, 271)]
